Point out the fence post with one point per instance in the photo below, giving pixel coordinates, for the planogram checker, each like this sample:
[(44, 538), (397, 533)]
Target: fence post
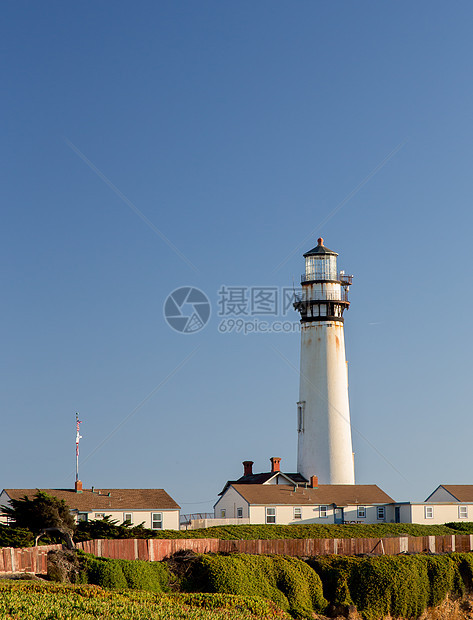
[(432, 543), (13, 559)]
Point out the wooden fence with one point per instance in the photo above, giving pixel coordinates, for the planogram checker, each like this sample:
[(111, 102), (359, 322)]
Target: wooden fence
[(33, 559)]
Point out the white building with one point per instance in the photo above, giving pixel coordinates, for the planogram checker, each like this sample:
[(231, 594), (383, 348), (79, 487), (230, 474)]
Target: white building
[(286, 504), (152, 507), (323, 413), (277, 497), (449, 502)]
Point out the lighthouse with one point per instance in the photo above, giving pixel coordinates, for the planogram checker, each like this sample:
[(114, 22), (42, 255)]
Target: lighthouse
[(323, 413)]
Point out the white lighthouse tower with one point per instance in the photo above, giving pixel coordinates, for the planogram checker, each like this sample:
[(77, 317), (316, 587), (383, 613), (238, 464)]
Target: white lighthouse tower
[(323, 413)]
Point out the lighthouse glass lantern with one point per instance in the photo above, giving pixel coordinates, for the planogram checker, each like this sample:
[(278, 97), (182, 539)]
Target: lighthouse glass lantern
[(320, 264)]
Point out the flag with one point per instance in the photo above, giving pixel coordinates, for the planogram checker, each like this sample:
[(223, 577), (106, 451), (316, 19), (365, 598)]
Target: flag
[(78, 435)]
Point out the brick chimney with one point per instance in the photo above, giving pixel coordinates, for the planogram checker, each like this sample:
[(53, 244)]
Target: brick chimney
[(78, 486), (275, 464), (247, 468), (314, 482)]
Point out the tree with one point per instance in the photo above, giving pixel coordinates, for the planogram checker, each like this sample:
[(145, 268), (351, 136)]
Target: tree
[(40, 513)]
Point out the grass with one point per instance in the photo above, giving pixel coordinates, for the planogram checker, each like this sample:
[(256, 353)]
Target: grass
[(45, 601)]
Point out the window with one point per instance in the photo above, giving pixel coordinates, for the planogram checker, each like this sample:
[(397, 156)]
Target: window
[(323, 512), (429, 512), (128, 516), (240, 513), (82, 516), (463, 512), (297, 513), (223, 513), (270, 515), (156, 520), (361, 512), (381, 513), (300, 416), (100, 515)]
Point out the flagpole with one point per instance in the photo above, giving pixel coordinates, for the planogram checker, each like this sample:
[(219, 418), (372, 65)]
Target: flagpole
[(78, 437)]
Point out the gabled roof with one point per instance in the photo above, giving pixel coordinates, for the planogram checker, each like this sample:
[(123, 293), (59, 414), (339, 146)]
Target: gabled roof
[(325, 494), (100, 500), (461, 492), (264, 478)]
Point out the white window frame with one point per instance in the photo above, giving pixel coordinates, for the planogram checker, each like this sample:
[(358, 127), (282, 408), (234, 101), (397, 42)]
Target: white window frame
[(155, 520), (100, 515), (297, 513), (270, 514), (239, 513), (381, 513), (464, 510), (428, 512), (323, 510), (361, 512), (128, 516)]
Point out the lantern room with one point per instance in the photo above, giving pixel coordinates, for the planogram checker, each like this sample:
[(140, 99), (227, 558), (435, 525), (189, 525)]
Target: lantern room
[(320, 264)]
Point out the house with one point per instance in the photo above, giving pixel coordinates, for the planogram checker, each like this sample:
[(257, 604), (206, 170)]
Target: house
[(152, 507), (276, 497), (449, 502)]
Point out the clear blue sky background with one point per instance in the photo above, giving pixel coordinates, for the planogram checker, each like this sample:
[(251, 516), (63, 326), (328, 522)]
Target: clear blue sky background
[(236, 128)]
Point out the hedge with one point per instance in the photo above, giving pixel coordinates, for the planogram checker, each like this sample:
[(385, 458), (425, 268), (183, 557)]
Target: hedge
[(132, 574), (288, 582), (403, 586), (106, 529)]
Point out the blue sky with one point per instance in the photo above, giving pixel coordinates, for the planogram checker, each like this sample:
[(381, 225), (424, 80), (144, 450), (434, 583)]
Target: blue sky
[(241, 132)]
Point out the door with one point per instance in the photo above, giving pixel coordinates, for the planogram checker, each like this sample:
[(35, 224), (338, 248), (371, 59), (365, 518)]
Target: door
[(397, 514), (338, 515)]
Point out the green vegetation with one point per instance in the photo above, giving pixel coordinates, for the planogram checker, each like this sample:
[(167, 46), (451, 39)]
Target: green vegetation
[(15, 537), (403, 586), (108, 529), (132, 574), (465, 527), (263, 532), (11, 536), (43, 601), (38, 513), (288, 582)]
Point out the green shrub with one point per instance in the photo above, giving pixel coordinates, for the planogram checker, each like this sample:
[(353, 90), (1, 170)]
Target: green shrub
[(288, 582), (149, 576), (463, 527), (15, 537), (390, 585), (105, 573), (89, 530), (132, 574), (443, 575), (336, 574), (402, 586)]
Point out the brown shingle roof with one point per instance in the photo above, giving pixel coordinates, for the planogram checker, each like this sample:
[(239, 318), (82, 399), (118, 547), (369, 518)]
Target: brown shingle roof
[(462, 492), (325, 494), (120, 499)]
